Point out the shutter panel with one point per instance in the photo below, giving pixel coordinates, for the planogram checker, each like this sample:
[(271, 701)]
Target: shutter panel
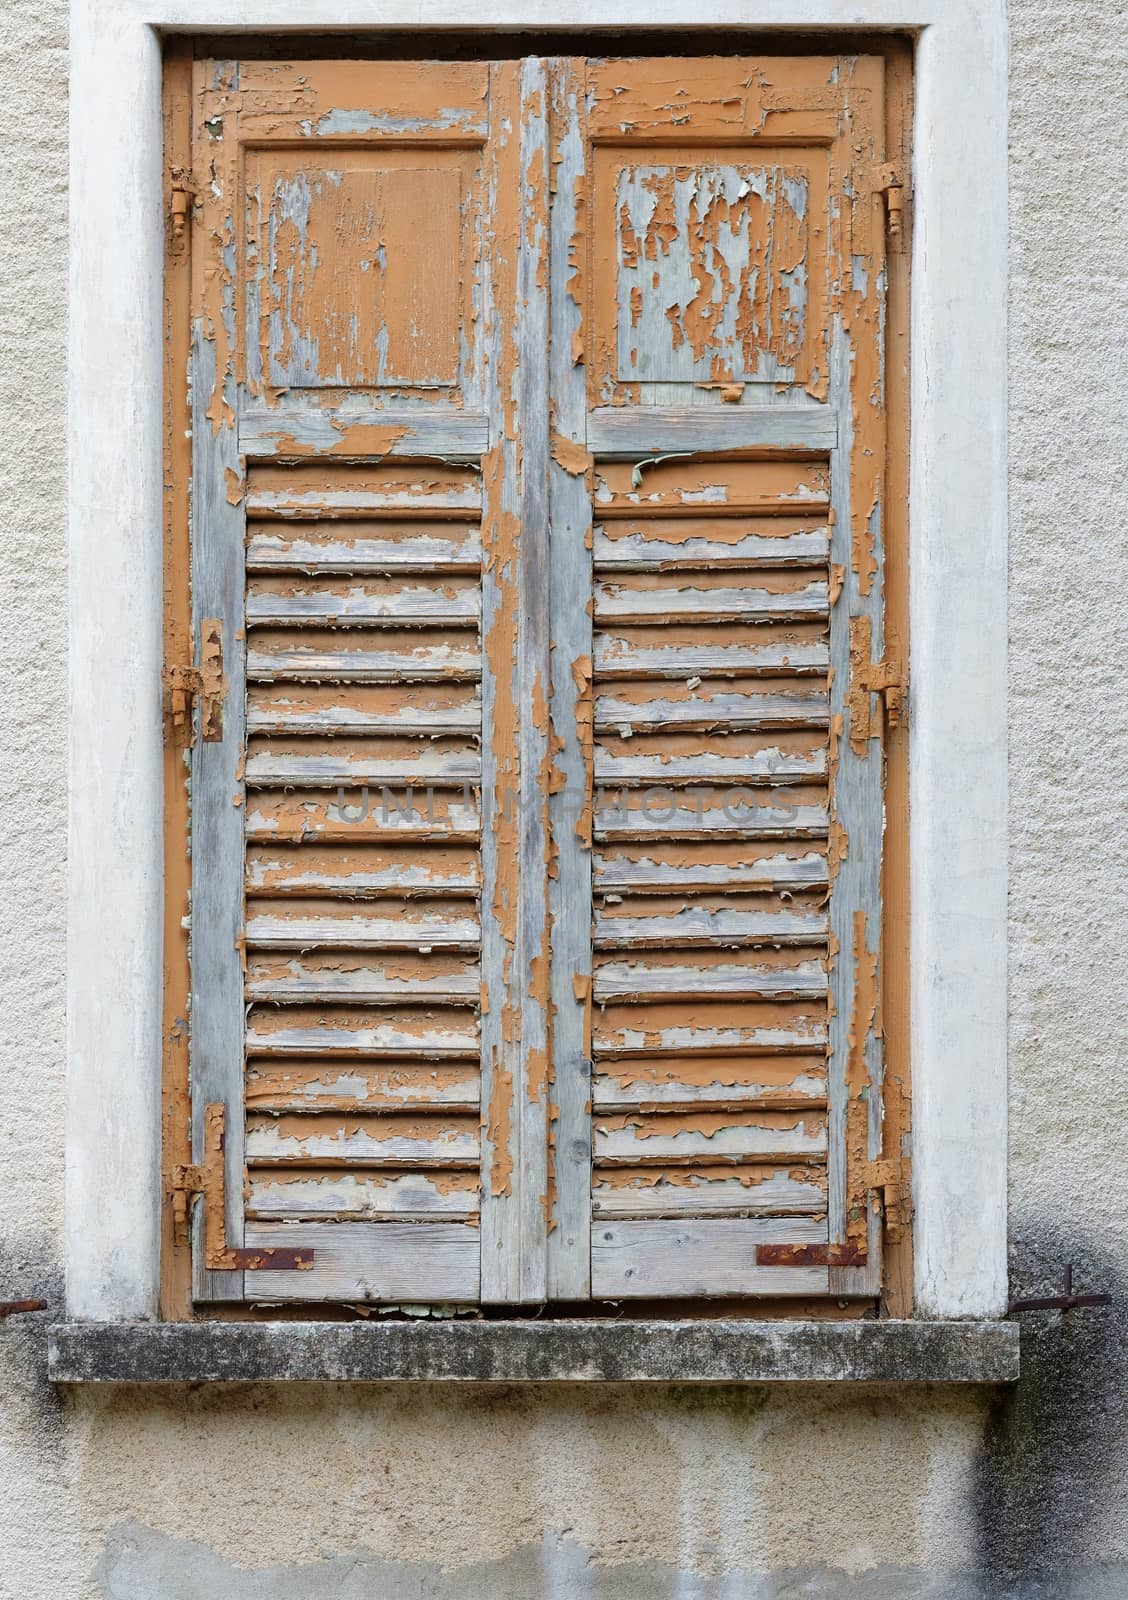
[(369, 945), (718, 299), (537, 538)]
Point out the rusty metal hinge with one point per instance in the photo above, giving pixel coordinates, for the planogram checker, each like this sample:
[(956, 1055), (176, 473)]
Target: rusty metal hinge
[(183, 192), (889, 180), (887, 1178), (205, 685), (207, 1181), (886, 678)]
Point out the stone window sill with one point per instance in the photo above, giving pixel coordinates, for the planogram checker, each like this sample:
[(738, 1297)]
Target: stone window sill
[(535, 1352)]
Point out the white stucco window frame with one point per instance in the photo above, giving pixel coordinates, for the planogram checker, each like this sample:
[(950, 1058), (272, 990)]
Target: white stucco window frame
[(958, 606)]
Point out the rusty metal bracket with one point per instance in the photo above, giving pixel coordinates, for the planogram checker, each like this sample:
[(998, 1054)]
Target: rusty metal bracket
[(810, 1255), (207, 1181), (17, 1308), (1061, 1302), (205, 685)]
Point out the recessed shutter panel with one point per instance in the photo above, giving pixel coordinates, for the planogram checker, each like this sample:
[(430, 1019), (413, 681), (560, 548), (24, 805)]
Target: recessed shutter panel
[(718, 304), (369, 1048)]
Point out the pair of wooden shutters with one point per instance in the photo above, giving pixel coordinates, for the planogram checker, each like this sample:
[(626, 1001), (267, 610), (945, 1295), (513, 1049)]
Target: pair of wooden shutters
[(538, 432)]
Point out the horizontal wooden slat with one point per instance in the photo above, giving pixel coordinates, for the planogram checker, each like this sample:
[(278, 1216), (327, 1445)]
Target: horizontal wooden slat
[(619, 656), (307, 869), (674, 977), (716, 1256), (357, 1194), (365, 709), (290, 430), (354, 763), (695, 488), (645, 551), (692, 927), (703, 602), (447, 1140), (690, 1192), (351, 980), (356, 816), (713, 707), (371, 1261), (363, 658), (409, 601), (391, 928), (611, 1094), (630, 432), (408, 547), (653, 867), (320, 489), (362, 1086), (712, 1027), (302, 1031), (669, 816), (639, 1138), (712, 764)]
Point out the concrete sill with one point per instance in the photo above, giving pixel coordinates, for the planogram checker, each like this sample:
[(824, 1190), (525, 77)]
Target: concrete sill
[(534, 1352)]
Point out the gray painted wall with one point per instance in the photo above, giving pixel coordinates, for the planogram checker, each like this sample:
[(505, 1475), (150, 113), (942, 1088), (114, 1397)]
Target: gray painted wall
[(354, 1494)]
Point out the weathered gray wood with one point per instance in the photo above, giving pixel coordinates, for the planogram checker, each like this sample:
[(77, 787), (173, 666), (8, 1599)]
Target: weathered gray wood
[(366, 659), (644, 551), (216, 1032), (400, 603), (674, 602), (316, 1032), (281, 547), (393, 1141), (781, 1193), (311, 871), (668, 815), (721, 977), (858, 802), (298, 431), (370, 1261), (569, 1242), (406, 930), (624, 433), (617, 656), (359, 1196), (427, 763), (657, 1140), (620, 1034), (767, 765), (322, 503), (714, 707), (383, 711), (649, 872), (435, 816), (716, 1256), (336, 981), (624, 1094), (387, 1086), (514, 950), (693, 927)]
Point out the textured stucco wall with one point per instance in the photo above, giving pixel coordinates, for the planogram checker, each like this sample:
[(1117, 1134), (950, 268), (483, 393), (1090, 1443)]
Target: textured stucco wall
[(354, 1494)]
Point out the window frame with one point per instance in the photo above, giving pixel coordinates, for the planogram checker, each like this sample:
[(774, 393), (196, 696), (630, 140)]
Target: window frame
[(957, 603)]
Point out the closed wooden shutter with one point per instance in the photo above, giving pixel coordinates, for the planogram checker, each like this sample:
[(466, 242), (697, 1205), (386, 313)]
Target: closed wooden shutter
[(718, 621), (538, 434)]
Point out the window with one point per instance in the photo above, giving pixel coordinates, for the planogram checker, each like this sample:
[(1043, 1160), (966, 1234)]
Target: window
[(537, 661)]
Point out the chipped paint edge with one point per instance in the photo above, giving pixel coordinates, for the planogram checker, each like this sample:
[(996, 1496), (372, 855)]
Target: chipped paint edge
[(957, 602)]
